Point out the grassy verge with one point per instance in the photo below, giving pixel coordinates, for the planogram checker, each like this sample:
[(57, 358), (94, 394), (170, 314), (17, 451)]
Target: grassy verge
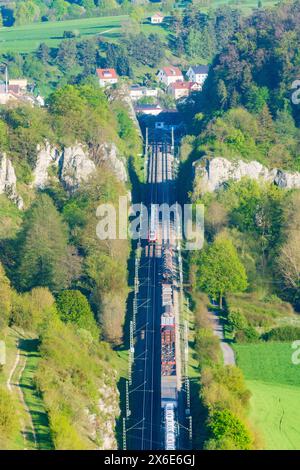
[(275, 386), (32, 397), (24, 373)]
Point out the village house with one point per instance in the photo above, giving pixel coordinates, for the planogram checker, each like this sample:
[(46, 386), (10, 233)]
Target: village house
[(157, 18), (14, 90), (21, 83), (136, 92), (168, 75), (197, 73), (107, 77), (180, 90)]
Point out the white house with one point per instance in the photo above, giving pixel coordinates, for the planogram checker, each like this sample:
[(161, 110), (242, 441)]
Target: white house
[(157, 18), (22, 83), (138, 91), (197, 73), (168, 75), (107, 77)]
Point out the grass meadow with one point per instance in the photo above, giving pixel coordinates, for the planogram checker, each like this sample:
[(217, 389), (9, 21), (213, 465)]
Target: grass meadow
[(274, 382)]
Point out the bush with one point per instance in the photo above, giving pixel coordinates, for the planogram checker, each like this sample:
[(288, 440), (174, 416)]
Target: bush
[(207, 347), (8, 419), (225, 425), (73, 307), (237, 321), (247, 335), (283, 333)]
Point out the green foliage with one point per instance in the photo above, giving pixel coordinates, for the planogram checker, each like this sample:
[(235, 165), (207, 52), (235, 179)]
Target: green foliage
[(8, 419), (26, 127), (5, 299), (247, 335), (44, 250), (33, 309), (145, 50), (72, 371), (207, 347), (202, 34), (73, 307), (220, 271), (224, 424), (283, 333), (79, 112), (236, 320)]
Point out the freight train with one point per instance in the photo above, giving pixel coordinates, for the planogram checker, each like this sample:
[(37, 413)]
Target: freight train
[(169, 401)]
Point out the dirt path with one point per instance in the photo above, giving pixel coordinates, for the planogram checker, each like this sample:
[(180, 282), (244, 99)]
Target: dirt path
[(9, 383), (228, 353), (14, 383)]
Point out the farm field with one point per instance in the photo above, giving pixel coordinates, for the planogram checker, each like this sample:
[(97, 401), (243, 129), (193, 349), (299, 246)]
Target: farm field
[(275, 386), (28, 37)]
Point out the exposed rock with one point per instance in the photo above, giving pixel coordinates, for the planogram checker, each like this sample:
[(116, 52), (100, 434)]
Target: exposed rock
[(213, 173), (108, 406), (108, 153), (75, 164), (75, 167), (46, 156), (8, 181)]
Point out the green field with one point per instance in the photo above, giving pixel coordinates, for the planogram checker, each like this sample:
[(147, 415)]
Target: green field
[(27, 38), (275, 385)]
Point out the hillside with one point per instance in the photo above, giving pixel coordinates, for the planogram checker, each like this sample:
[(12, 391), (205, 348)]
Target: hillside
[(63, 291)]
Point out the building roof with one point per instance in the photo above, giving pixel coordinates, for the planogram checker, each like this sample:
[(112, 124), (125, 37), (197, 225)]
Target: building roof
[(200, 69), (172, 71), (180, 85), (11, 88), (157, 14), (106, 74)]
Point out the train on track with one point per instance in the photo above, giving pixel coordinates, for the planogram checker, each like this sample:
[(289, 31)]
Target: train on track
[(153, 226), (169, 390)]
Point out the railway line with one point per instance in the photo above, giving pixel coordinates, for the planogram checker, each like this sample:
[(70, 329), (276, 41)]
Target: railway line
[(155, 397)]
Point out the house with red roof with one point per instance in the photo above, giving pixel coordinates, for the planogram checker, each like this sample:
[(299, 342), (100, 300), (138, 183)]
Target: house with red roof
[(157, 18), (182, 89), (107, 77), (168, 75)]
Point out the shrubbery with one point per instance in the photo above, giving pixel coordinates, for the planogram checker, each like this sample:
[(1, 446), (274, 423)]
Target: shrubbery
[(283, 333)]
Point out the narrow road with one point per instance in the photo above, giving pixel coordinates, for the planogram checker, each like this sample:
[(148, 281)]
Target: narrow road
[(228, 353)]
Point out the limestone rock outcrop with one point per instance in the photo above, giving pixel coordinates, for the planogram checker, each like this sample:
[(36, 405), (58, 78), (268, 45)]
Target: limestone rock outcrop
[(213, 173), (8, 181)]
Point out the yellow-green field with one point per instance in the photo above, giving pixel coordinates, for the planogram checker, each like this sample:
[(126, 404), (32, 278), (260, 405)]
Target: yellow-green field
[(274, 382)]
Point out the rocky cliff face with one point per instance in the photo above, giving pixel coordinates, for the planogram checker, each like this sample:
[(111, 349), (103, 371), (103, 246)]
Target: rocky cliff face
[(212, 174), (8, 181), (75, 167), (46, 156), (108, 153), (75, 164)]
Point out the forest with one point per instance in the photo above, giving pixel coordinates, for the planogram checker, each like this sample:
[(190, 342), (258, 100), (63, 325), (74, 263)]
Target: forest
[(249, 266), (60, 286)]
